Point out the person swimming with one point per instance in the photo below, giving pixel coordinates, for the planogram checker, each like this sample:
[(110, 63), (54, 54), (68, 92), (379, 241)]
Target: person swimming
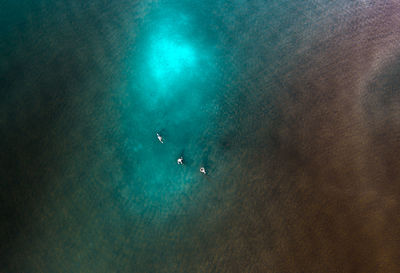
[(203, 170), (180, 160), (160, 138)]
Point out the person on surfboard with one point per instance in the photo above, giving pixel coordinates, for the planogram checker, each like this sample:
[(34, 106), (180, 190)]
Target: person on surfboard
[(160, 138)]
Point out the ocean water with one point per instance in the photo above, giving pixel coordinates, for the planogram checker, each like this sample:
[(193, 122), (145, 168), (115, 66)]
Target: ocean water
[(291, 106)]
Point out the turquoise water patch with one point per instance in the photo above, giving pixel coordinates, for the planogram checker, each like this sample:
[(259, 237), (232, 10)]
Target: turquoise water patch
[(173, 91), (171, 59)]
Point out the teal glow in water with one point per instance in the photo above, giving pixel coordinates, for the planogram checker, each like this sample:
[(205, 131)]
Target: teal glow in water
[(174, 79), (170, 58), (174, 60)]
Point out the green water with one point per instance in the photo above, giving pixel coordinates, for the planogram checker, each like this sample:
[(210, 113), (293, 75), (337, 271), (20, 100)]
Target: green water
[(92, 84)]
